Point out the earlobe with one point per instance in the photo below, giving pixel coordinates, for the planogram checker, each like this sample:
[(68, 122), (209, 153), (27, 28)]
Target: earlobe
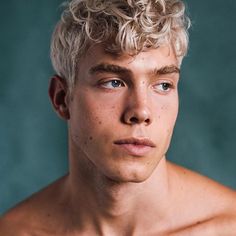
[(58, 90)]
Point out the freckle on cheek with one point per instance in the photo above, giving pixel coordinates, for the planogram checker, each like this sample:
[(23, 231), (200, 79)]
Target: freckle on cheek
[(168, 131), (90, 138)]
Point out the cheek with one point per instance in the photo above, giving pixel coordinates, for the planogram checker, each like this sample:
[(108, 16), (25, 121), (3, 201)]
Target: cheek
[(171, 116), (168, 111), (172, 113), (91, 116), (165, 124)]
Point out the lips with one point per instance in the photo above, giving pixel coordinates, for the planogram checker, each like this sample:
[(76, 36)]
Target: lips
[(136, 146)]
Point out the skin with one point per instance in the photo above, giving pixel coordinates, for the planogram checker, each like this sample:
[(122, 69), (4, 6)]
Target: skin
[(112, 191)]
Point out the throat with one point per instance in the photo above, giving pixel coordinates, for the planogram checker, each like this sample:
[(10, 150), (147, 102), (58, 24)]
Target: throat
[(106, 204), (112, 198), (117, 199)]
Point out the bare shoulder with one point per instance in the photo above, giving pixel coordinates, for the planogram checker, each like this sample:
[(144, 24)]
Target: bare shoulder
[(9, 226), (206, 189), (218, 226), (210, 207), (33, 215)]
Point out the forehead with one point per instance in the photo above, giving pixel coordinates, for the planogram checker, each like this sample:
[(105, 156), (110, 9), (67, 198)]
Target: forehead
[(149, 59)]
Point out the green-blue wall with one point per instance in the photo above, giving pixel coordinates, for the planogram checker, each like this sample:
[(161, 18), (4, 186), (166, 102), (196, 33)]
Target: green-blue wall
[(33, 141)]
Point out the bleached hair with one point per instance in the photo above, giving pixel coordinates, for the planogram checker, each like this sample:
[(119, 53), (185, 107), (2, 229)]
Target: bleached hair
[(123, 26)]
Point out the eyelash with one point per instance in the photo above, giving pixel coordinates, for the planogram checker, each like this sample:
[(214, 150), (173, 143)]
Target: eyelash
[(166, 86), (110, 81)]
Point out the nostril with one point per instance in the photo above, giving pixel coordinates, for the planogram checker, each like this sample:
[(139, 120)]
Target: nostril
[(134, 120), (138, 116)]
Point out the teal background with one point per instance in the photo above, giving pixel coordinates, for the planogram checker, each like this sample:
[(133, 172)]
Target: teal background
[(33, 141)]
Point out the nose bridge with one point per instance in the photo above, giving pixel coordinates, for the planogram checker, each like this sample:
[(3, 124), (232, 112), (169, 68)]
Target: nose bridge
[(138, 105), (139, 96)]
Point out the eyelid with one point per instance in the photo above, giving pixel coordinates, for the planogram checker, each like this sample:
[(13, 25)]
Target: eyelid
[(110, 79), (102, 83), (170, 86), (164, 82)]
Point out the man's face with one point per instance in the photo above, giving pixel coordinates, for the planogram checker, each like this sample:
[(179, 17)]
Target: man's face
[(123, 110)]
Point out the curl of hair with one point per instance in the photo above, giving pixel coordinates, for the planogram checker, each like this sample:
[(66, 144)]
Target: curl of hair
[(124, 26)]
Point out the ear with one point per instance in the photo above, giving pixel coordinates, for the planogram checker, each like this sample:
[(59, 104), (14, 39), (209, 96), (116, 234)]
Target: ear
[(58, 93)]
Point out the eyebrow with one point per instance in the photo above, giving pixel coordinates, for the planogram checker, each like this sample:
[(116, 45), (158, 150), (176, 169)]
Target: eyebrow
[(110, 68), (116, 69), (167, 70)]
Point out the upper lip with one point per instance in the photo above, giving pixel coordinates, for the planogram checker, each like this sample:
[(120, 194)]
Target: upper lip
[(136, 141)]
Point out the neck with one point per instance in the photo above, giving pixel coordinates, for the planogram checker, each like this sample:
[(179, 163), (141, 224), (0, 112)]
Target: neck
[(115, 203)]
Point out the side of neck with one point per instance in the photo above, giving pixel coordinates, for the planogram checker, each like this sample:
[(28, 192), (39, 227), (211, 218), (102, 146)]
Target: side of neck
[(106, 202)]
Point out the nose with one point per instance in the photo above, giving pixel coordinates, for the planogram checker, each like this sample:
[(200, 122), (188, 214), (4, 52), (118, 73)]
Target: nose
[(137, 110)]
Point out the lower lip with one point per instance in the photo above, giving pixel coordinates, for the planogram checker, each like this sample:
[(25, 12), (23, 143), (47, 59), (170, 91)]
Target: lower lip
[(136, 150)]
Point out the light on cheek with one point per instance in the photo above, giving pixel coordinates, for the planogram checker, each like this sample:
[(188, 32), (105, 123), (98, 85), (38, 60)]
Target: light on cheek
[(168, 131)]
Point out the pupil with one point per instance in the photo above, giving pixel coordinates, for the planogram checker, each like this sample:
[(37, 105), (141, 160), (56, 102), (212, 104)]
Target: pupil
[(165, 86), (115, 83)]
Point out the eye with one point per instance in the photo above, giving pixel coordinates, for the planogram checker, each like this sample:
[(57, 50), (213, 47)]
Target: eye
[(111, 84), (163, 87)]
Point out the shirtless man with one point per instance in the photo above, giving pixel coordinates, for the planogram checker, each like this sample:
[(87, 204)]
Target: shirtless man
[(117, 65)]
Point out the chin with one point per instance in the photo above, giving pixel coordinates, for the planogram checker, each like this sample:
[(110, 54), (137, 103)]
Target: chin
[(130, 175)]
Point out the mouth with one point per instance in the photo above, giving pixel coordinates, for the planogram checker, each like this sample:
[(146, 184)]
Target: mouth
[(136, 146)]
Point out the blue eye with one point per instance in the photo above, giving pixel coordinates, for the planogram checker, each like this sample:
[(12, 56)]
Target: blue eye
[(113, 84), (163, 87)]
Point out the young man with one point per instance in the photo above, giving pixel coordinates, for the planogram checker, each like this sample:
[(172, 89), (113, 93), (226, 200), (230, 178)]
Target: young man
[(117, 65)]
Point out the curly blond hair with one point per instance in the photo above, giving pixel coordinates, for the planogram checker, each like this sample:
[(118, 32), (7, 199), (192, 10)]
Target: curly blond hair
[(124, 26)]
